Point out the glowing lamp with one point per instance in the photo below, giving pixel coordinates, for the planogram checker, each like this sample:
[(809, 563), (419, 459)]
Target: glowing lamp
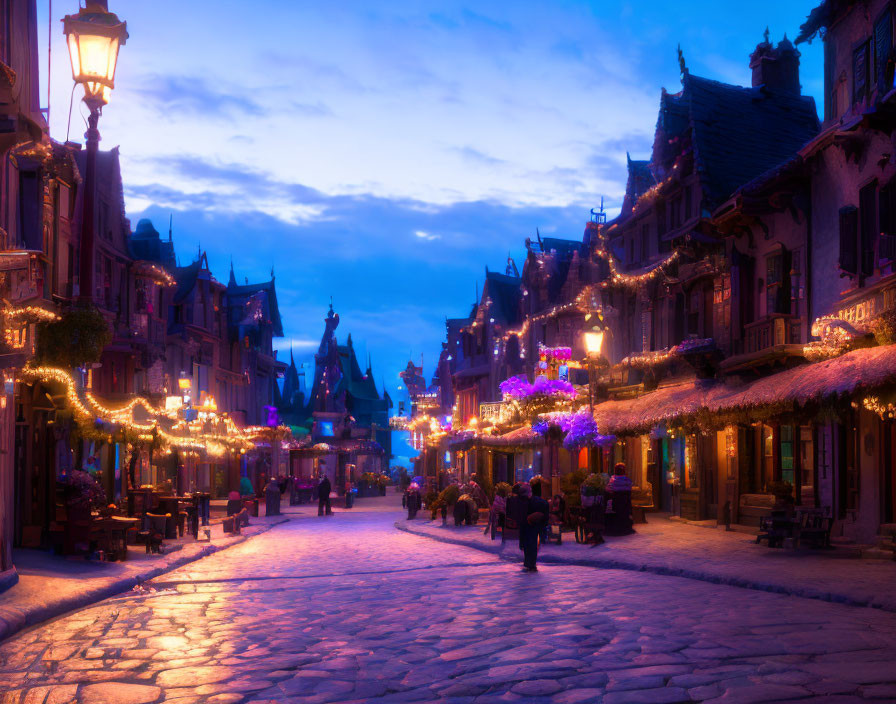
[(94, 36), (594, 341)]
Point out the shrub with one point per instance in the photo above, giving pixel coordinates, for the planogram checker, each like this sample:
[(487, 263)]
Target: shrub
[(76, 339), (571, 486)]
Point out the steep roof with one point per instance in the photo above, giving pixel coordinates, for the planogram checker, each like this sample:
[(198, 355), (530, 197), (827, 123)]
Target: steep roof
[(147, 244), (185, 278), (240, 294), (739, 133), (504, 292), (822, 17), (640, 180)]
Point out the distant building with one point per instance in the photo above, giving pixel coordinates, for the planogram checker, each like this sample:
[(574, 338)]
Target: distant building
[(346, 417)]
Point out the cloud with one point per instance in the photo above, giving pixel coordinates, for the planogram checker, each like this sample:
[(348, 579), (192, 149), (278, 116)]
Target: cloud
[(475, 156), (426, 236), (192, 95)]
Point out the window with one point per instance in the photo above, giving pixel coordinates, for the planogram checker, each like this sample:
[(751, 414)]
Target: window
[(849, 232), (860, 72), (777, 283), (645, 242), (886, 215), (661, 218), (830, 83), (688, 202), (30, 200), (883, 52), (868, 224), (631, 251)]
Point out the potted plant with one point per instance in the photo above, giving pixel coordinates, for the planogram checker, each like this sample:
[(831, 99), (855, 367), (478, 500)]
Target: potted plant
[(446, 499), (783, 493)]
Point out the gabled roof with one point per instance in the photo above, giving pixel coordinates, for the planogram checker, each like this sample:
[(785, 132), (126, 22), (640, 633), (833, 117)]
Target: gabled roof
[(822, 17), (185, 277), (505, 293), (240, 294), (739, 133), (640, 180)]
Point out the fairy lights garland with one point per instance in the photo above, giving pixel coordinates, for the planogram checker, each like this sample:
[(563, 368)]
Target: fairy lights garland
[(214, 444), (14, 319)]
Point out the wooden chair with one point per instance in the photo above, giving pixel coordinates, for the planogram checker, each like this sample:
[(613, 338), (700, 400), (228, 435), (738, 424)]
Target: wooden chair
[(591, 522), (775, 528), (814, 529), (558, 519), (154, 531)]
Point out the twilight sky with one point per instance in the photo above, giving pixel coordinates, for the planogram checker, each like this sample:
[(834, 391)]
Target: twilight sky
[(386, 152)]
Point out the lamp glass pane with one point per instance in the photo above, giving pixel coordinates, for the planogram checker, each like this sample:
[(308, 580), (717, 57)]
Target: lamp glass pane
[(73, 55), (94, 54), (113, 59)]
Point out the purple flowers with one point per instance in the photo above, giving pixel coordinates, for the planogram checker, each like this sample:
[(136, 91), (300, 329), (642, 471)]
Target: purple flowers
[(579, 427), (518, 388), (83, 490)]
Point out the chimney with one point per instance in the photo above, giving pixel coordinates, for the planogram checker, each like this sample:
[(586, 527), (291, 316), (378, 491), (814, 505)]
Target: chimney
[(776, 68)]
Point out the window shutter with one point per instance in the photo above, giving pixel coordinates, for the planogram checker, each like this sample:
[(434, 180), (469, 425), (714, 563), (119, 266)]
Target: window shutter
[(860, 73), (849, 229), (868, 224), (883, 47), (886, 247)]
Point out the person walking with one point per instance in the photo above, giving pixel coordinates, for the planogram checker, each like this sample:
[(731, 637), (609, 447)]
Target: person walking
[(323, 496), (534, 514)]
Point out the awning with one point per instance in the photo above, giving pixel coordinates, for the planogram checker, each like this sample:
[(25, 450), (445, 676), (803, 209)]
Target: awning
[(521, 437), (838, 378)]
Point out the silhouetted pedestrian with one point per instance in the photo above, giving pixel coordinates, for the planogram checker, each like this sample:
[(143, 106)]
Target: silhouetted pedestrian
[(323, 496), (535, 512)]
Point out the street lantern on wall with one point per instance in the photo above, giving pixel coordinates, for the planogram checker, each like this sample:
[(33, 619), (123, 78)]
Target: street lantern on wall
[(94, 36)]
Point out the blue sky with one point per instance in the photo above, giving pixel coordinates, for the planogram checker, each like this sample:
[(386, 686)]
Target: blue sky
[(385, 152)]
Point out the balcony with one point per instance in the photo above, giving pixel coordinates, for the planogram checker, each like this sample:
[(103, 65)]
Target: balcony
[(772, 331), (772, 341)]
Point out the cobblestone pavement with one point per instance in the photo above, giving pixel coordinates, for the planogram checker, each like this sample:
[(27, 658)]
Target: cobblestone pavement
[(347, 608), (667, 547)]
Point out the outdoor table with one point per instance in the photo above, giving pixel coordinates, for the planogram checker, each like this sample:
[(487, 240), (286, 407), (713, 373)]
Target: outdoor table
[(115, 529)]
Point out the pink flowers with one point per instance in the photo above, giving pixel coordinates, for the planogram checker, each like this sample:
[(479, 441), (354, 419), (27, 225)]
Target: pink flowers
[(555, 354)]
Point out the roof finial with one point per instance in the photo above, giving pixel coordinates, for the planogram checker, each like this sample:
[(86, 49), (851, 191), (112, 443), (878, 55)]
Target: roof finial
[(765, 36), (682, 66), (170, 225), (272, 272)]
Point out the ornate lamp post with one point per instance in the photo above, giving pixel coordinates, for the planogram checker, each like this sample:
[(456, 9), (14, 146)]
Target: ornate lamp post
[(94, 36), (594, 342)]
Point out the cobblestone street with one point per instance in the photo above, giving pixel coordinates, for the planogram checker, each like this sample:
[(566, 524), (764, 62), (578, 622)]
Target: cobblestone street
[(348, 608)]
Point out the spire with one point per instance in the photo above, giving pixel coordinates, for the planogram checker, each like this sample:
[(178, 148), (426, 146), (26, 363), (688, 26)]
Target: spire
[(369, 364), (170, 225), (349, 342), (682, 66), (232, 280)]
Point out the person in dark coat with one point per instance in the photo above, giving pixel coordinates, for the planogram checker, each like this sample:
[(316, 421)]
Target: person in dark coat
[(323, 496), (535, 512)]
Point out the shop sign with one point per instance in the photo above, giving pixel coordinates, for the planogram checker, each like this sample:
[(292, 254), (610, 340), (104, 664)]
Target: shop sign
[(490, 412), (862, 312)]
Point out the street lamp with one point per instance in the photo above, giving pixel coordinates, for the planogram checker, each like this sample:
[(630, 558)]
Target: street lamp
[(594, 342), (94, 36)]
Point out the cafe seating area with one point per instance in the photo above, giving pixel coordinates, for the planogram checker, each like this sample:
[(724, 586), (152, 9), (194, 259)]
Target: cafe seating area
[(146, 519)]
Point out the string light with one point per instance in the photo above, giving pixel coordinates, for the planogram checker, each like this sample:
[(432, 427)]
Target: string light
[(16, 318)]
